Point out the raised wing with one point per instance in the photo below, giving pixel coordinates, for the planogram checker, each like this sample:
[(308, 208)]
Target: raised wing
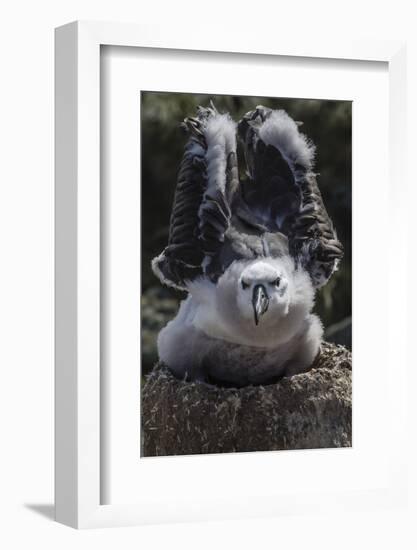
[(282, 192), (207, 180)]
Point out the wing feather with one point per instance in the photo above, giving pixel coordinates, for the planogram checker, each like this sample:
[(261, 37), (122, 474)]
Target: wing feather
[(282, 192), (206, 182)]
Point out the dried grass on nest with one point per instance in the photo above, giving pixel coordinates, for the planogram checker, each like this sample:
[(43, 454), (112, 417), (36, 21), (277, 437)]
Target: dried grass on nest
[(307, 411)]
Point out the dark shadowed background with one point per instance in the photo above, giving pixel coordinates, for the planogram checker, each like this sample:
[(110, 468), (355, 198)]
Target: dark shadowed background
[(327, 123)]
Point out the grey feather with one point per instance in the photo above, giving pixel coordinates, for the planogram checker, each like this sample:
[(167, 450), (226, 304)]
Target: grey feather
[(283, 193)]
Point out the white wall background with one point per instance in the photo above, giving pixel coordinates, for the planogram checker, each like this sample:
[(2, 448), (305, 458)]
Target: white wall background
[(26, 272)]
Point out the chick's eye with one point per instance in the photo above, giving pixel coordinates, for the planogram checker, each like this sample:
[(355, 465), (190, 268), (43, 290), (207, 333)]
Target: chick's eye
[(276, 282), (244, 285)]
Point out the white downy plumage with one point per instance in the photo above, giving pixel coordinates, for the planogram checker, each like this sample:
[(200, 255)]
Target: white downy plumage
[(214, 332)]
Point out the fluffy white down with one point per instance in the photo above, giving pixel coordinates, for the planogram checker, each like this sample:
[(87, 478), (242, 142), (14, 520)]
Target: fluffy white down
[(214, 332), (220, 311), (280, 130), (220, 134)]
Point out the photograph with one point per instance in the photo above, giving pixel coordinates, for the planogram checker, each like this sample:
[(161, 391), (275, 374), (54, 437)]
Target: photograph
[(208, 279), (246, 267)]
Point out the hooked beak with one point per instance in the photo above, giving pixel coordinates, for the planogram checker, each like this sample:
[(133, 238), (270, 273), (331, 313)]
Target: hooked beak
[(260, 301)]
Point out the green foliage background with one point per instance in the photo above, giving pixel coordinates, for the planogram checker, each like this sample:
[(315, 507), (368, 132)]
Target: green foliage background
[(327, 123)]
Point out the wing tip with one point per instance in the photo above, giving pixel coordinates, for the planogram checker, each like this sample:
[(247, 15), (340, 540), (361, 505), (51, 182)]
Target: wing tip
[(157, 268), (277, 128)]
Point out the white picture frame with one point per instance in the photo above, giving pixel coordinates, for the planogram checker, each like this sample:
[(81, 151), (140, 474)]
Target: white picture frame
[(78, 412)]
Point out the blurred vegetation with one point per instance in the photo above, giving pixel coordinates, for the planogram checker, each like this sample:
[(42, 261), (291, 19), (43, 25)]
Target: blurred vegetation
[(327, 123)]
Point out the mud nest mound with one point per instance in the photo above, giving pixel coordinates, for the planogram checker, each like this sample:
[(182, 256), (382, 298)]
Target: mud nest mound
[(307, 411)]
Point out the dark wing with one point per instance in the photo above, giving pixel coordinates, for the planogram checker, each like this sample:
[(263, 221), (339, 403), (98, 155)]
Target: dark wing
[(282, 192), (201, 214)]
